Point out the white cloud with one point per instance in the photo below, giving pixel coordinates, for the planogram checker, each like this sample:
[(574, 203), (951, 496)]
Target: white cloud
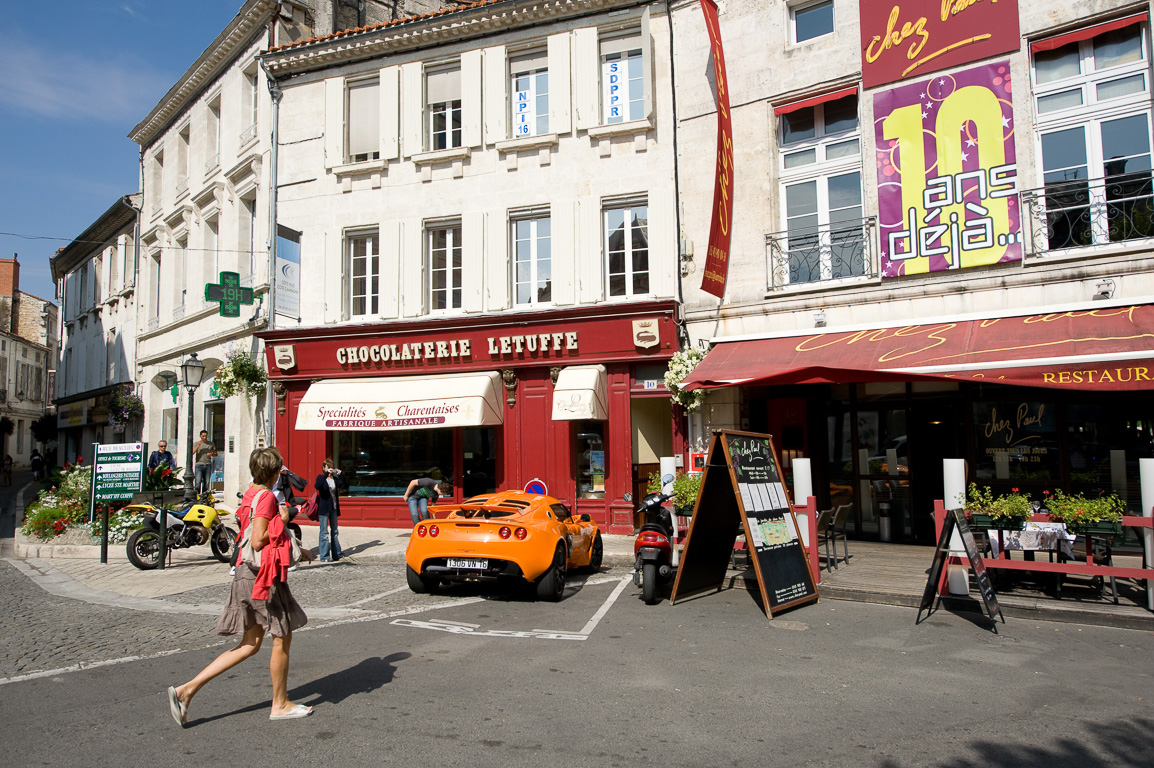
[(56, 83)]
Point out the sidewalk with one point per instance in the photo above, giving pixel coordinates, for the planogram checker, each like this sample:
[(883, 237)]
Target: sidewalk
[(888, 574)]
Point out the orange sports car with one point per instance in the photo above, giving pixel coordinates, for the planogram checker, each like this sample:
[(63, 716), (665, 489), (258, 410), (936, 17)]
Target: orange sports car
[(504, 536)]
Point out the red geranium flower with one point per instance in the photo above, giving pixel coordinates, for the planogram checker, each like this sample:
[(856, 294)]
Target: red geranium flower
[(1015, 490)]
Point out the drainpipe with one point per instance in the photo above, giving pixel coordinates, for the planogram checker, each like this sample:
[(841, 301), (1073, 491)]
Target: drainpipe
[(275, 91), (683, 332)]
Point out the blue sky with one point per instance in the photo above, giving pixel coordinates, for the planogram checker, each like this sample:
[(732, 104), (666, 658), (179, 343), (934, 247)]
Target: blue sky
[(75, 77)]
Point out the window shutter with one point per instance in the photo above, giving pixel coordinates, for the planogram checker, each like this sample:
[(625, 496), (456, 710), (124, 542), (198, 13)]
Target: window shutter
[(390, 119), (560, 85), (587, 77), (412, 109), (334, 121), (496, 100), (472, 261), (469, 88), (646, 66)]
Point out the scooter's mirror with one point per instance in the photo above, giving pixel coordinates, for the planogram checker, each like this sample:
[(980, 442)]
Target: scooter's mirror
[(667, 479), (629, 497)]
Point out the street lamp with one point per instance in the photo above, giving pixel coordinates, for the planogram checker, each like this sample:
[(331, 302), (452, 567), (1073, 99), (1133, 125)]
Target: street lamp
[(193, 372)]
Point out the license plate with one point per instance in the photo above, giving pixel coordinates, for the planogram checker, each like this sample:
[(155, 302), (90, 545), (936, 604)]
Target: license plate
[(468, 562)]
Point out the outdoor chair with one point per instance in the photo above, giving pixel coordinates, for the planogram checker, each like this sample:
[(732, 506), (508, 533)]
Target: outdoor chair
[(837, 530), (824, 520)]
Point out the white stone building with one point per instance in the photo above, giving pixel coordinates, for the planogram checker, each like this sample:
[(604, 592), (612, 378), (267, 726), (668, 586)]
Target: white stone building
[(1009, 194), (28, 344), (95, 279), (205, 169), (486, 190)]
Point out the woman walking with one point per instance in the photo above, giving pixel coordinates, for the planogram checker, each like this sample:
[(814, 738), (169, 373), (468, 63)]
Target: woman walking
[(260, 601), (328, 485)]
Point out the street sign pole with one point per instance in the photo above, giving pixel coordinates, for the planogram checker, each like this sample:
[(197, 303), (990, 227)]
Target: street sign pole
[(117, 473)]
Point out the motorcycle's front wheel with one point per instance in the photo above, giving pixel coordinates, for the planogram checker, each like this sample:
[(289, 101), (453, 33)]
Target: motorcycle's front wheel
[(222, 543), (144, 549), (649, 583)]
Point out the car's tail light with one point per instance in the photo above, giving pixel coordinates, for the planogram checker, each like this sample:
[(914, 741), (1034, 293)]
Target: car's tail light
[(421, 531), (505, 532), (433, 531), (521, 534), (653, 538)]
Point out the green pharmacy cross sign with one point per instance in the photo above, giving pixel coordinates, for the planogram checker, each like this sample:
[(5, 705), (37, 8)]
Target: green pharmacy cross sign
[(229, 293)]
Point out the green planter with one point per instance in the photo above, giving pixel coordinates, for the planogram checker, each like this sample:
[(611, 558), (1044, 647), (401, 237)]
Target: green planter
[(986, 522), (1100, 528)]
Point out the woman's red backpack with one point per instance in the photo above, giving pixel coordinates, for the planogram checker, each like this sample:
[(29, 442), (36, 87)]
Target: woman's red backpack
[(309, 508)]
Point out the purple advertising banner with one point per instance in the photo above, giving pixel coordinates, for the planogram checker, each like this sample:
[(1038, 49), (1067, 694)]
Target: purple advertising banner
[(947, 173)]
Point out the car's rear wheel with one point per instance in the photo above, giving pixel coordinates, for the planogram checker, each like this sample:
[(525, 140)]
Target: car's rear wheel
[(418, 583), (597, 553), (551, 586)]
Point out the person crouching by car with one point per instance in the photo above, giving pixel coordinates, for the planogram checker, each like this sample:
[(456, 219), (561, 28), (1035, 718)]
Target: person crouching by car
[(420, 491), (329, 483)]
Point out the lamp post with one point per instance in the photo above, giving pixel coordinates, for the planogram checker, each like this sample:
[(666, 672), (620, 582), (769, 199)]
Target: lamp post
[(193, 371)]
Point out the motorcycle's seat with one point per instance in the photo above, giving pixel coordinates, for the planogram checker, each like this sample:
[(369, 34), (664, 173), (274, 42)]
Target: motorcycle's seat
[(179, 512), (655, 528)]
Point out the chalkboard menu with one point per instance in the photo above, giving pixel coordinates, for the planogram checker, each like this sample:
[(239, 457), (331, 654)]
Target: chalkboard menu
[(743, 489), (956, 520)]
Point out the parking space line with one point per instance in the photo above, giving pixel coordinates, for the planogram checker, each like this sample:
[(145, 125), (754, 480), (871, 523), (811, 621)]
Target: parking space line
[(592, 624)]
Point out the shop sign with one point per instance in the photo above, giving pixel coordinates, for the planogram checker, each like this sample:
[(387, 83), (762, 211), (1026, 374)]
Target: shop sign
[(717, 256), (947, 173), (914, 38), (425, 414), (461, 349), (285, 356), (646, 333), (73, 414)]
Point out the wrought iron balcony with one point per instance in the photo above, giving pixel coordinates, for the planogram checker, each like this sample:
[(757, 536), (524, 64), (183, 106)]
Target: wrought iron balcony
[(248, 134), (1084, 212), (806, 255), (212, 163)]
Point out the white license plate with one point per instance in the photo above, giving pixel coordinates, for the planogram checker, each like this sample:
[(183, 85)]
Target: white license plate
[(468, 562)]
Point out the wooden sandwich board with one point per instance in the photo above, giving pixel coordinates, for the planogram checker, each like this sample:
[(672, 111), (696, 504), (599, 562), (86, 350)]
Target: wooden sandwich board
[(743, 489), (956, 519)]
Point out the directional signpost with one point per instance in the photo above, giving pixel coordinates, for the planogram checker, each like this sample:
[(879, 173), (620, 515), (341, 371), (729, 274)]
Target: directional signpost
[(117, 473)]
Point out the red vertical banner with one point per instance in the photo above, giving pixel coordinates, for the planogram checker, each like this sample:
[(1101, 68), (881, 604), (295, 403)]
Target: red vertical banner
[(717, 258)]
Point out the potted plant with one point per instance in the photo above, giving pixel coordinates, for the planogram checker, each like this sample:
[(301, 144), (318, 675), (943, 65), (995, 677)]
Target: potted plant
[(979, 506), (686, 486), (1011, 511), (1101, 516)]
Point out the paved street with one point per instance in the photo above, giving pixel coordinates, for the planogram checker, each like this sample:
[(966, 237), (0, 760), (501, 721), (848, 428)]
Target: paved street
[(484, 677)]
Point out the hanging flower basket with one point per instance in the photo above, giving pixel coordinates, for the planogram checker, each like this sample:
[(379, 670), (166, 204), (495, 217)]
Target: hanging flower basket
[(122, 408), (680, 366), (239, 373)]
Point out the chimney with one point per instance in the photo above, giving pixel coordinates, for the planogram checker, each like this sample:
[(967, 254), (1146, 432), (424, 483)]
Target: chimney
[(9, 276)]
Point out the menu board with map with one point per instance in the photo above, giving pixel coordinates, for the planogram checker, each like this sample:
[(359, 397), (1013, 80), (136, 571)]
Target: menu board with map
[(743, 489)]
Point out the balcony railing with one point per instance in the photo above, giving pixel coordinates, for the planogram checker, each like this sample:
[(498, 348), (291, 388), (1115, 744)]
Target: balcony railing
[(248, 134), (212, 163), (1084, 212), (806, 255)]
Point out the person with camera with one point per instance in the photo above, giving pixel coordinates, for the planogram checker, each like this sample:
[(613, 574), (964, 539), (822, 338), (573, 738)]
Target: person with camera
[(329, 484)]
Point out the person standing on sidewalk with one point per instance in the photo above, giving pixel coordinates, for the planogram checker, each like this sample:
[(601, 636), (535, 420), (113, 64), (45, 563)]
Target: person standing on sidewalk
[(329, 483), (204, 450), (253, 609), (161, 455)]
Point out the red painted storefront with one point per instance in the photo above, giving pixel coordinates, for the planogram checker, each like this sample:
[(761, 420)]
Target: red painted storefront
[(529, 350)]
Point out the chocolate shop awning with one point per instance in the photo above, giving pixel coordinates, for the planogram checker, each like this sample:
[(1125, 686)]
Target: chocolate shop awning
[(403, 402), (1108, 349)]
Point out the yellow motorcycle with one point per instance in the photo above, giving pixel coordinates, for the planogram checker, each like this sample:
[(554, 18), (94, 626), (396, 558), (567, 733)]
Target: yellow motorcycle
[(190, 524)]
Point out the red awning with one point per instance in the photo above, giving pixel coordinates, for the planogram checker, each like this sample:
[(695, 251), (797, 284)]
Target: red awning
[(1101, 349), (794, 106), (1085, 33)]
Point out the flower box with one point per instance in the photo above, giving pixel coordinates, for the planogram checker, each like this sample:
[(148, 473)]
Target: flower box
[(987, 522), (1097, 528)]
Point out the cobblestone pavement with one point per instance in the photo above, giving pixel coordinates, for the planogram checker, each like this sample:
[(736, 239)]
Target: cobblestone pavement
[(45, 632)]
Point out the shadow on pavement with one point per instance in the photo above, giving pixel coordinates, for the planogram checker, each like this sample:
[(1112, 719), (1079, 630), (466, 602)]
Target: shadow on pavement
[(365, 677)]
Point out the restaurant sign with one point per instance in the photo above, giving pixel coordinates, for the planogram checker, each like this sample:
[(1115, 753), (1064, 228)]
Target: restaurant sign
[(917, 37)]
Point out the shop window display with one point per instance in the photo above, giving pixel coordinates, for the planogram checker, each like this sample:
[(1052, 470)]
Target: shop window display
[(1017, 440), (591, 464), (383, 463)]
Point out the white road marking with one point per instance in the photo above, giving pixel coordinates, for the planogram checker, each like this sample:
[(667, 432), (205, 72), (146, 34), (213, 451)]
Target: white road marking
[(376, 597), (473, 630)]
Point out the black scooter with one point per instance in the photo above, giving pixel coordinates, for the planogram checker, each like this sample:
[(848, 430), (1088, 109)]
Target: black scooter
[(653, 547)]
